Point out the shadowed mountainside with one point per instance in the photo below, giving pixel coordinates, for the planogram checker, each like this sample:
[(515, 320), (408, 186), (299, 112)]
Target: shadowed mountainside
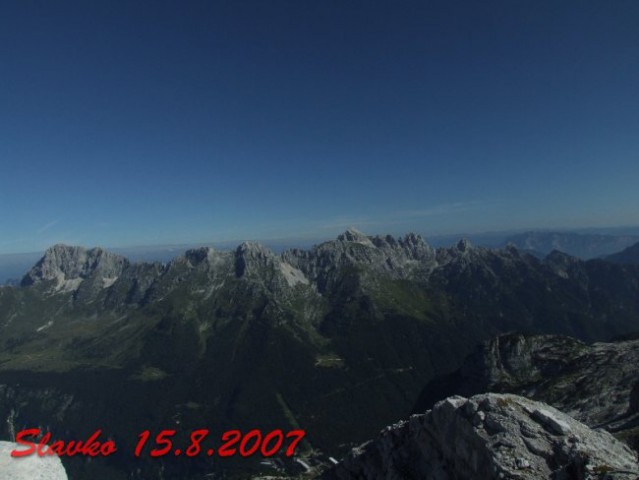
[(336, 340)]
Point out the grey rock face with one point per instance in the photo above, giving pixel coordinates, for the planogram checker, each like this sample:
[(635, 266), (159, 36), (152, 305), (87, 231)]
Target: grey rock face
[(69, 266), (251, 258), (593, 383), (480, 277), (354, 235), (597, 384), (398, 258), (490, 436), (29, 468)]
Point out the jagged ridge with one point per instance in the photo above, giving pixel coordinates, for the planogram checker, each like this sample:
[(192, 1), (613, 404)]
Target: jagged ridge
[(327, 339)]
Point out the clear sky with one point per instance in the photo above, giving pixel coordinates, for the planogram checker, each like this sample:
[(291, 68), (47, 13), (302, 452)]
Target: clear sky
[(149, 122)]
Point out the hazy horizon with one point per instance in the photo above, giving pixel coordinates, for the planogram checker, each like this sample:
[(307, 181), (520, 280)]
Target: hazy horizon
[(140, 124), (305, 242)]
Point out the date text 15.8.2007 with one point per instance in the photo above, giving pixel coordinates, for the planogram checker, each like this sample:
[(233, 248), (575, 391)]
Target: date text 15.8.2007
[(200, 443)]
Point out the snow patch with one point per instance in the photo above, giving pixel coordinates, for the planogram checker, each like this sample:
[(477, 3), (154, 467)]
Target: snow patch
[(292, 275), (108, 281), (45, 326), (65, 285), (71, 284)]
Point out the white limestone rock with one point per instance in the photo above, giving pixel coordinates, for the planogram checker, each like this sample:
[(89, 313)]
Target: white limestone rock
[(517, 438), (32, 467)]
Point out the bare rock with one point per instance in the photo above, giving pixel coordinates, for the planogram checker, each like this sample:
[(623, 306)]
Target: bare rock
[(32, 467), (518, 439), (68, 266)]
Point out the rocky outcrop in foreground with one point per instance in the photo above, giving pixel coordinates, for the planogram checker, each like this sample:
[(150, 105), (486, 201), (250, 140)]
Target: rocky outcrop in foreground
[(29, 468), (597, 384), (490, 436)]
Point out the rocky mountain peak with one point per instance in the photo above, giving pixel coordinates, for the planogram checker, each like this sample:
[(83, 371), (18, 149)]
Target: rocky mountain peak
[(250, 257), (354, 235), (562, 264), (413, 239), (464, 245), (253, 250), (196, 256), (65, 264)]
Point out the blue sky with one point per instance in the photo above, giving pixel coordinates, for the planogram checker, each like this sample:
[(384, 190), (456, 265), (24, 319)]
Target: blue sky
[(150, 122)]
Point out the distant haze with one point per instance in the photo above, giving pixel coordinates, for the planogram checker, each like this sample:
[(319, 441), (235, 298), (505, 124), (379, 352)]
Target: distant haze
[(146, 123)]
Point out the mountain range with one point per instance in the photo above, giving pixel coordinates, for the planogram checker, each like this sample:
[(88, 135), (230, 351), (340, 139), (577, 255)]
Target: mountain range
[(338, 340), (595, 243), (583, 245)]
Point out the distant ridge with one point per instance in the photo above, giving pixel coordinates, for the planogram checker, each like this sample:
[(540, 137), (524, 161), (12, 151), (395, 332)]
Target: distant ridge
[(628, 256), (582, 245)]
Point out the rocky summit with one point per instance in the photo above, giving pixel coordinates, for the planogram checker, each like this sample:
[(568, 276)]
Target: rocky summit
[(490, 436), (63, 263)]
